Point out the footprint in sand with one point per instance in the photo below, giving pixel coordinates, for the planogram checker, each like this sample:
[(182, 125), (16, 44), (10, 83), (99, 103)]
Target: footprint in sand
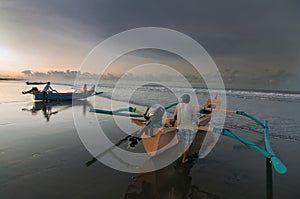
[(36, 155)]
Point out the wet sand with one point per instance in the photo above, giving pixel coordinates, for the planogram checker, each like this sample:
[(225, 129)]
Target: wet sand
[(40, 159)]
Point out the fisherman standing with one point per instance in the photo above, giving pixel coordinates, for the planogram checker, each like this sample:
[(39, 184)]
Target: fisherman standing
[(46, 89), (185, 114), (84, 89)]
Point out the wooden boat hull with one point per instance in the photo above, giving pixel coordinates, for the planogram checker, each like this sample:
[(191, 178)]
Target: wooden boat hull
[(35, 83), (166, 138), (62, 96)]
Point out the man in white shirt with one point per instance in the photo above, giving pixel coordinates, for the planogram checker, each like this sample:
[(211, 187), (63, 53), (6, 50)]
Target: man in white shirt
[(45, 91), (186, 117)]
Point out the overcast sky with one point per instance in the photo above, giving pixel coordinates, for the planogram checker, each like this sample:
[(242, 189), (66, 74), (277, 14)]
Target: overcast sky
[(246, 39)]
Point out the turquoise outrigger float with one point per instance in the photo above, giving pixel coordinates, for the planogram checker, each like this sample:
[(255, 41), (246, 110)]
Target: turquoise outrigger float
[(267, 152)]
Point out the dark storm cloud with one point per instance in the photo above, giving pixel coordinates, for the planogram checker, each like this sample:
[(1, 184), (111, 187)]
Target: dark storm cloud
[(241, 35), (238, 27), (262, 33)]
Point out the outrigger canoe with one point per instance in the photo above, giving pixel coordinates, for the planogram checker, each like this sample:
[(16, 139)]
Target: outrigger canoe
[(62, 96), (165, 137)]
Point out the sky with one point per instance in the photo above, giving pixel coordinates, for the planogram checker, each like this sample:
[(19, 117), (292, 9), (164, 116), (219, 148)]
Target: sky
[(250, 41)]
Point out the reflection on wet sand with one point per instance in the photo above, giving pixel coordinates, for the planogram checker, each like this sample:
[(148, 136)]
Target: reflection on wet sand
[(173, 181), (53, 107)]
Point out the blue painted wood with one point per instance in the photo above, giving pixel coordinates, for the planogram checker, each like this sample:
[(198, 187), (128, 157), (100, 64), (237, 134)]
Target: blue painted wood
[(63, 96), (277, 164)]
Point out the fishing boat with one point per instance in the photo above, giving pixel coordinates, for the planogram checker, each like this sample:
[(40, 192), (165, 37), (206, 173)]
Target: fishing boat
[(35, 83), (62, 96), (157, 139), (165, 138)]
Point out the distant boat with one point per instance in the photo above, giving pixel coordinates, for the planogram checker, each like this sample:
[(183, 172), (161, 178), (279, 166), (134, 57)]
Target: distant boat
[(35, 83), (62, 96)]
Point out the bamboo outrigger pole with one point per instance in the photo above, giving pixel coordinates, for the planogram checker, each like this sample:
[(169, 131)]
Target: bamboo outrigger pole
[(268, 152)]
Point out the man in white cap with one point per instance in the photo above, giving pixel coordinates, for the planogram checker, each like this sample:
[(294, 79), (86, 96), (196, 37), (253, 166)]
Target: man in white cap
[(185, 114)]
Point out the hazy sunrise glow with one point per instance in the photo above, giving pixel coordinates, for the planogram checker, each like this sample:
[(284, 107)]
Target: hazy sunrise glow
[(262, 43)]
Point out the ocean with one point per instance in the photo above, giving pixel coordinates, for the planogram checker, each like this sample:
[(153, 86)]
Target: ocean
[(42, 154)]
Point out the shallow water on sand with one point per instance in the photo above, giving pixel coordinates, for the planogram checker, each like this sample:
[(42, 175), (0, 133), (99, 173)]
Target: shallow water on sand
[(42, 156)]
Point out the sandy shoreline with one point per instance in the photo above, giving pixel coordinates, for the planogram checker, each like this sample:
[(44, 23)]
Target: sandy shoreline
[(40, 159)]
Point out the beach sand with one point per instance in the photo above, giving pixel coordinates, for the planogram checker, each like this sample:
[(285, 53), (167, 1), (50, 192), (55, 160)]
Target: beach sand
[(46, 159)]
